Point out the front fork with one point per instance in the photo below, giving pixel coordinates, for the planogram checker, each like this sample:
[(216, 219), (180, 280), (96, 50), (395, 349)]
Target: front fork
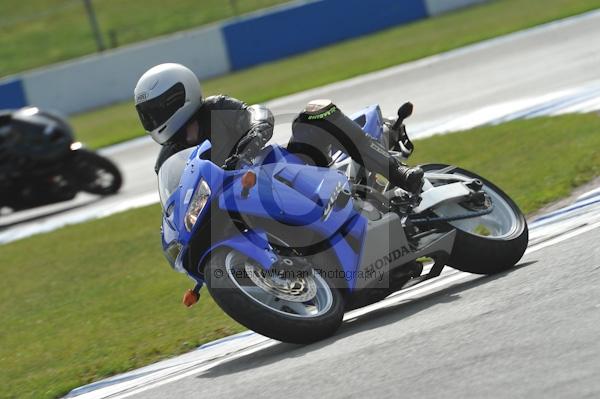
[(251, 243)]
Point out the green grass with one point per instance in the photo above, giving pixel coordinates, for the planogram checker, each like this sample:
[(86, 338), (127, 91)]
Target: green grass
[(96, 299), (49, 31), (351, 58), (92, 300), (536, 161)]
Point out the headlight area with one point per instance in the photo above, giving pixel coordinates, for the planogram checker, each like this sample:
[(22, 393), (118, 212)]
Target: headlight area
[(197, 204), (173, 253)]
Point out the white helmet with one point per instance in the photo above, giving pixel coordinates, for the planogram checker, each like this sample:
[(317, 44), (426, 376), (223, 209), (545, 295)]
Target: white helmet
[(166, 97)]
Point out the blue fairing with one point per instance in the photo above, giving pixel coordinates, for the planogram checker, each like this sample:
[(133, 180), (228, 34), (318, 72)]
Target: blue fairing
[(286, 191), (371, 121), (195, 170), (252, 243), (291, 194)]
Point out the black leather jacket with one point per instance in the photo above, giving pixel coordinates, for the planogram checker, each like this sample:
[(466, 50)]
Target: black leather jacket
[(29, 137), (224, 121)]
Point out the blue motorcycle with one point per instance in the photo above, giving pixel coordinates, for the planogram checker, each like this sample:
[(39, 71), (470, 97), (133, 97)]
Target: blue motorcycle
[(286, 247)]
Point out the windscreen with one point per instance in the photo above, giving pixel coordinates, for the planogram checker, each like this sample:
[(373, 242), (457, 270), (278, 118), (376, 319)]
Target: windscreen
[(170, 173)]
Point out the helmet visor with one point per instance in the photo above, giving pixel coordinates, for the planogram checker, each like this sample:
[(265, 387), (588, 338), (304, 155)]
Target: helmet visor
[(158, 110)]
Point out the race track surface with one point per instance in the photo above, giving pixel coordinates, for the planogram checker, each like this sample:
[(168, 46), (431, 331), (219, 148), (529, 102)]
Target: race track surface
[(529, 332), (501, 73)]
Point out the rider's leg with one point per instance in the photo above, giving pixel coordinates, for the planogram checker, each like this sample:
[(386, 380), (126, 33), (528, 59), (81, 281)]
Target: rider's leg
[(323, 125)]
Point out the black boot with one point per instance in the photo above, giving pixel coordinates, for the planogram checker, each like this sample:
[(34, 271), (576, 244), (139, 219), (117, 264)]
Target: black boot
[(323, 125)]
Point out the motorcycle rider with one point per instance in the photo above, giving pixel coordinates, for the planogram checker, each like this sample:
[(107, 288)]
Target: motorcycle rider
[(169, 102), (322, 129), (33, 134), (32, 143)]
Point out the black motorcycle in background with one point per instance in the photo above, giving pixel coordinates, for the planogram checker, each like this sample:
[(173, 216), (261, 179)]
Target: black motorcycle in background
[(41, 163)]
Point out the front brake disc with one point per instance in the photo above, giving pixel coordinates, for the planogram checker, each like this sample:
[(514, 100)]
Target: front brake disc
[(297, 289)]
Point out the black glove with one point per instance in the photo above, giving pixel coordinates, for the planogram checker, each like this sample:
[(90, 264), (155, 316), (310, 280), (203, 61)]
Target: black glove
[(249, 146), (234, 162), (245, 152)]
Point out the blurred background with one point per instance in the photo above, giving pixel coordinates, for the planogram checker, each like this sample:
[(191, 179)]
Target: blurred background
[(50, 31)]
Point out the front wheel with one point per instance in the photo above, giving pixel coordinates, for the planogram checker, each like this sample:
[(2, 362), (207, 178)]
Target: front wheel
[(297, 308), (485, 244), (96, 174)]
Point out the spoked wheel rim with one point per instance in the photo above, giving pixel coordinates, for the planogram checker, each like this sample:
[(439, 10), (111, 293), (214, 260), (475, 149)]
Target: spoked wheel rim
[(501, 223), (303, 295)]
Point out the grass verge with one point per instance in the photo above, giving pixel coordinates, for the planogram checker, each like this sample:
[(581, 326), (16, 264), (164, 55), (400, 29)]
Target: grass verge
[(48, 31), (96, 299), (535, 161), (347, 59)]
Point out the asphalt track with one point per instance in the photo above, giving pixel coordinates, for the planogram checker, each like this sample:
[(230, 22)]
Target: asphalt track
[(532, 332), (473, 85), (529, 332)]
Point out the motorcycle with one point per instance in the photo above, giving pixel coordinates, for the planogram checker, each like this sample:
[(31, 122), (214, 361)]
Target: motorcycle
[(286, 248), (41, 163)]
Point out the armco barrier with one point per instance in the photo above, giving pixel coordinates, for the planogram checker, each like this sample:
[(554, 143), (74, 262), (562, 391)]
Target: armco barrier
[(12, 94), (437, 7), (283, 31), (108, 78), (303, 27)]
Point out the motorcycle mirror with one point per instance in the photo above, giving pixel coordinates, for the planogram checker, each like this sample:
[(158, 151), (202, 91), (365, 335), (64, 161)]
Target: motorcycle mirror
[(405, 110)]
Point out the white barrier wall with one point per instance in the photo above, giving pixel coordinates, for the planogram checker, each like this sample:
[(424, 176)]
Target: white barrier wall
[(437, 7), (107, 78), (111, 77)]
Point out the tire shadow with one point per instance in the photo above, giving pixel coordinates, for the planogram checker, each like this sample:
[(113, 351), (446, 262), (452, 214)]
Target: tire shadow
[(369, 321)]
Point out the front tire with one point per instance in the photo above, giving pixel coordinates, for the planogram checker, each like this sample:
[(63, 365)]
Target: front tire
[(254, 305), (96, 174), (491, 243)]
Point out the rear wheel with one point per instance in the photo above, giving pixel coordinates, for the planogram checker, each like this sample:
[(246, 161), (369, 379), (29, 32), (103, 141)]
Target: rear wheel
[(96, 174), (485, 244), (298, 307)]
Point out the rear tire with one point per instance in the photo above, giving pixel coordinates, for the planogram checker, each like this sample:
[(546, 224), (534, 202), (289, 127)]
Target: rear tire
[(264, 320), (475, 253)]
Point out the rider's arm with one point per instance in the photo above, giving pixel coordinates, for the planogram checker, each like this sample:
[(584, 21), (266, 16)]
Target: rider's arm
[(259, 132), (261, 122)]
